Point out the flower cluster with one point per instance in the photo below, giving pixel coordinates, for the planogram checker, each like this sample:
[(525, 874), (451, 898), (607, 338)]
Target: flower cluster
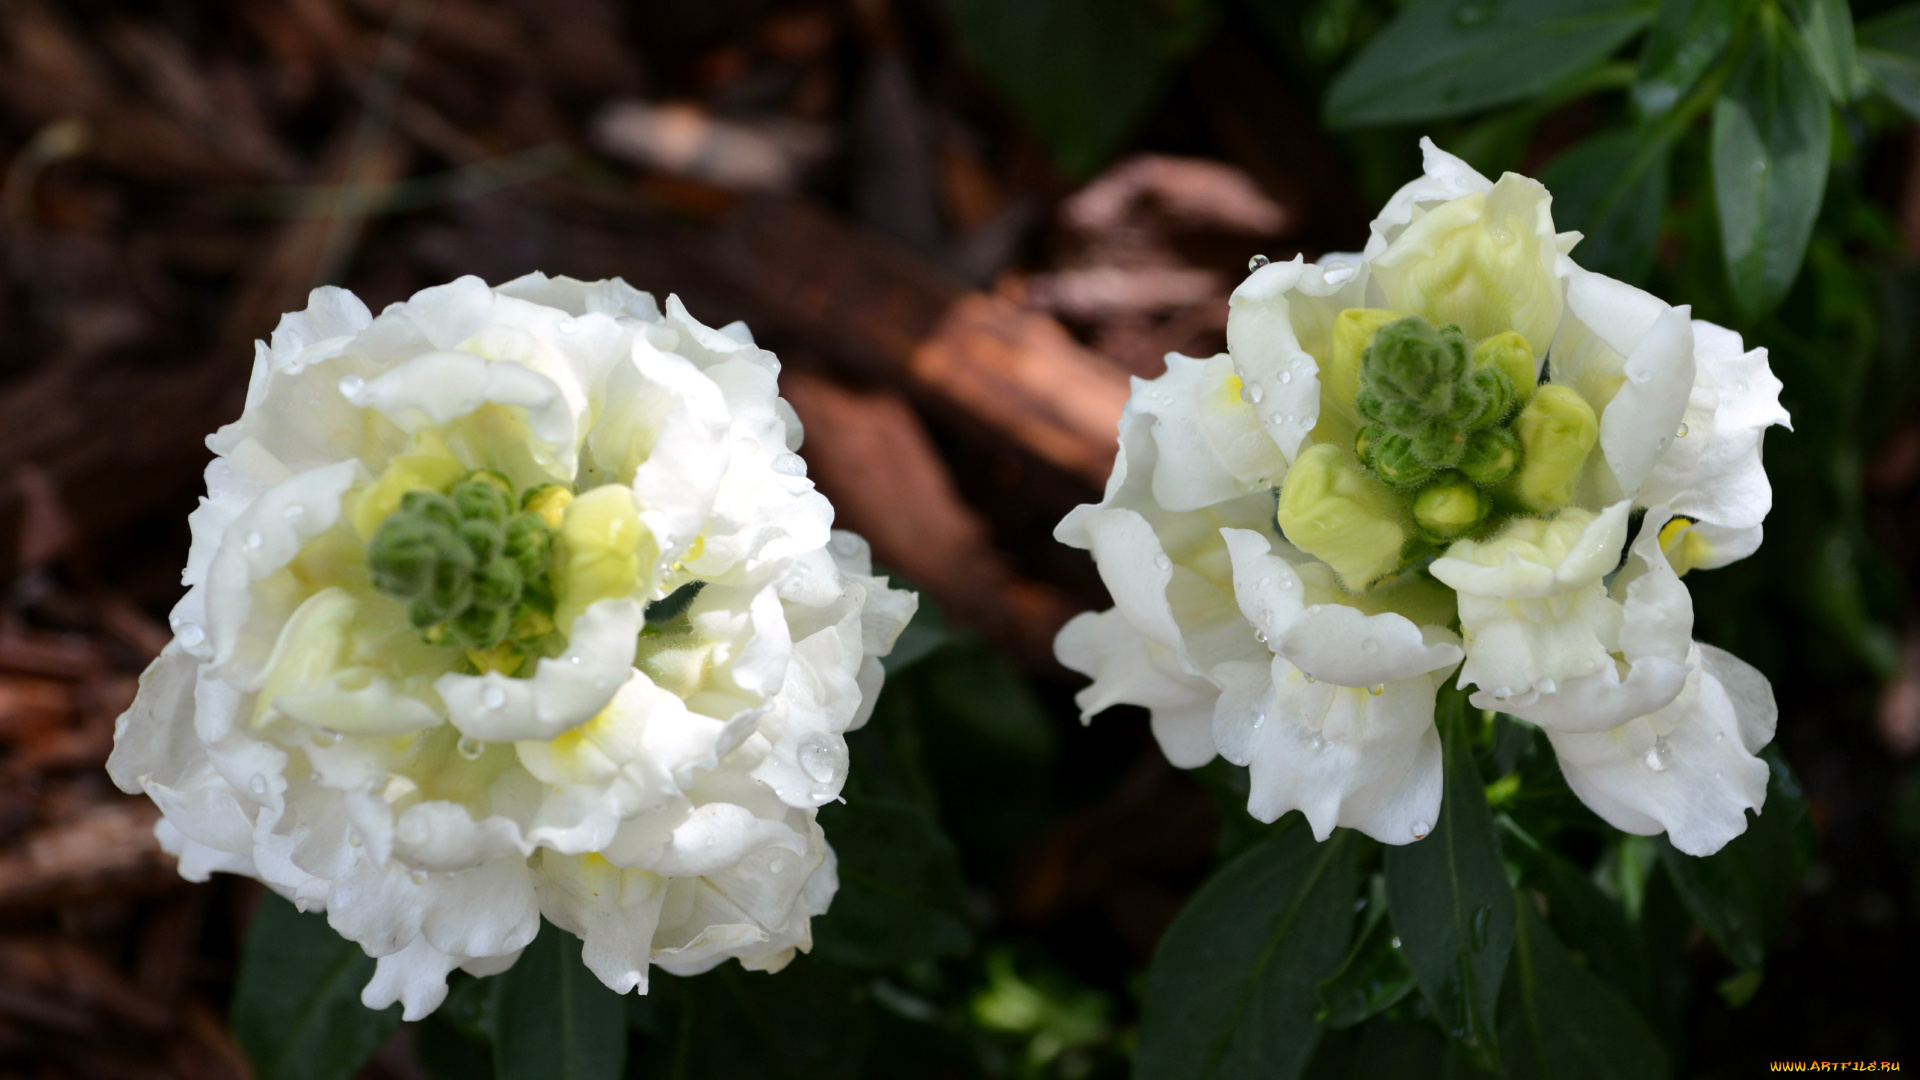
[(515, 602), (1456, 448)]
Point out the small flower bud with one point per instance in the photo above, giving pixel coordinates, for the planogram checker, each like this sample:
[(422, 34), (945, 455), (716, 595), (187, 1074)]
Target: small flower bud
[(1336, 511), (1449, 508), (1353, 331), (1491, 456), (1398, 463), (1556, 430), (483, 538), (481, 499), (527, 540), (1509, 354), (549, 501), (404, 553), (497, 584), (1413, 362), (431, 505)]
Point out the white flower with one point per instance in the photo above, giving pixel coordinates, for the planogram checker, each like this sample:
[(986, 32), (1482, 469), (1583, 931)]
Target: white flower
[(1457, 427), (507, 603)]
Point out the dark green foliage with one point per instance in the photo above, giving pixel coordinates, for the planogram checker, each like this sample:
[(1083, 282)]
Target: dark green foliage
[(1231, 989), (296, 1007), (1558, 1020), (553, 1019), (899, 887), (1450, 901)]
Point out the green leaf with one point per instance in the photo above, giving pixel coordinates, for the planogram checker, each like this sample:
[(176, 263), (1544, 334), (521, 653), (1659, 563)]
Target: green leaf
[(1890, 52), (1740, 893), (1559, 1020), (296, 1005), (1443, 58), (1230, 992), (554, 1020), (900, 887), (1613, 188), (1450, 900), (1687, 38), (1827, 26), (1771, 131), (1591, 924), (1081, 72), (1375, 974), (810, 1021)]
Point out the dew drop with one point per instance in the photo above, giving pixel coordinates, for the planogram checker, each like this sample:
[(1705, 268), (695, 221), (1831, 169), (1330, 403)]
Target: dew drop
[(326, 737), (493, 697), (1286, 583), (1259, 720), (351, 386), (470, 747), (1502, 693), (574, 660), (256, 541), (1643, 377), (1682, 433), (1309, 677), (1473, 13), (1257, 262), (1161, 562), (820, 758), (1286, 377), (190, 634), (353, 838), (569, 326), (1260, 636), (1376, 691), (1369, 646), (775, 866), (294, 512), (790, 465), (1255, 393), (258, 784), (1547, 686), (1396, 937), (1660, 756), (1420, 831), (1481, 918), (1719, 736), (418, 877)]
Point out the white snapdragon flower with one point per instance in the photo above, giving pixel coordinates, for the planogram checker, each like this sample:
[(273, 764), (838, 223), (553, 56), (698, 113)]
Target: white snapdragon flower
[(1456, 448), (515, 602)]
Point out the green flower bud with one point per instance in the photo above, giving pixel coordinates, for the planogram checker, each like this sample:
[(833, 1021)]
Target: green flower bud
[(431, 504), (527, 541), (482, 500), (1491, 456), (1415, 363), (1449, 508), (1438, 446), (549, 502), (479, 627), (483, 538), (452, 587), (497, 584), (1396, 461), (1510, 355), (405, 552), (1336, 511), (1556, 431)]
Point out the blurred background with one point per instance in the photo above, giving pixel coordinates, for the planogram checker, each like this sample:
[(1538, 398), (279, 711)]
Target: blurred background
[(962, 225)]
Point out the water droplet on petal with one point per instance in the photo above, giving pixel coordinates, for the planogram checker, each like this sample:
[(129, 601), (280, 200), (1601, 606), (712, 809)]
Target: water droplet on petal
[(256, 541), (775, 866), (1286, 583), (1547, 686), (1682, 433), (790, 465), (1259, 720), (1257, 262), (1286, 377), (1376, 691), (326, 737), (1719, 736), (257, 784), (493, 697), (470, 747), (190, 634), (418, 877), (1260, 636), (820, 758), (353, 838), (351, 386), (1256, 393), (1502, 693), (1309, 677), (1420, 831), (1369, 646), (1643, 377), (1161, 562), (569, 326), (1660, 756), (294, 512)]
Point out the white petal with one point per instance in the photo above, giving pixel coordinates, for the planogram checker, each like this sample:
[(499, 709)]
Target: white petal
[(564, 692), (1187, 475), (1127, 669), (613, 910), (1444, 178)]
